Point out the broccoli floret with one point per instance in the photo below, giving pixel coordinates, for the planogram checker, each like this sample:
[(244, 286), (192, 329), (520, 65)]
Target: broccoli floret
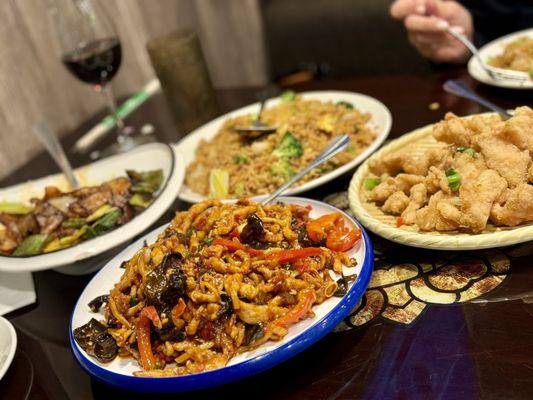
[(240, 159), (282, 170), (349, 106), (289, 147), (288, 96)]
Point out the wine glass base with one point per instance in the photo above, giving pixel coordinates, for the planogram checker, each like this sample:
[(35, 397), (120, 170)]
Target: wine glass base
[(126, 144)]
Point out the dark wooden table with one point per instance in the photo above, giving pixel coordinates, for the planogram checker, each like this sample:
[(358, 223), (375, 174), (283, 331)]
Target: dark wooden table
[(413, 336)]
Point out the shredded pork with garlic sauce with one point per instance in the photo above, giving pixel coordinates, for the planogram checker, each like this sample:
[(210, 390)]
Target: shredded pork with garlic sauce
[(221, 279)]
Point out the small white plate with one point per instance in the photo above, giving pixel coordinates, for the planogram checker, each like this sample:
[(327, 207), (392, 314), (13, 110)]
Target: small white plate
[(380, 121), (492, 49), (303, 334), (143, 158), (8, 345)]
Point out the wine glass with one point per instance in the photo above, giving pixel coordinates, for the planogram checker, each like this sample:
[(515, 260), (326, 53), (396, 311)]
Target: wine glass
[(92, 52)]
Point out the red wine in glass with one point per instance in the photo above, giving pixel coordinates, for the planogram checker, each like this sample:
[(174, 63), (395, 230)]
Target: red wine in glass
[(91, 51), (95, 62)]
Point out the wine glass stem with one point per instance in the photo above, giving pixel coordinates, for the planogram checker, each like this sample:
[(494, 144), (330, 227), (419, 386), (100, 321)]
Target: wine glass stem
[(112, 104)]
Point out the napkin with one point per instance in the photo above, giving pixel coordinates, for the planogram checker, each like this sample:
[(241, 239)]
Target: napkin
[(16, 291)]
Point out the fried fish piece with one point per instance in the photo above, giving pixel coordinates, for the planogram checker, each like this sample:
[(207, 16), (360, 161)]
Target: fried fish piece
[(462, 131), (505, 158), (469, 167), (390, 185), (436, 180), (396, 203), (477, 197), (411, 163), (417, 198), (517, 208), (518, 130), (429, 217)]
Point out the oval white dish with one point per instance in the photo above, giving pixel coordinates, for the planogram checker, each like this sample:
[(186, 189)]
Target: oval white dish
[(381, 121), (146, 157), (8, 345), (492, 49)]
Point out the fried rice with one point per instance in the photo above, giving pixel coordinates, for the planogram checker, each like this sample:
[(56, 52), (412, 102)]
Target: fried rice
[(253, 166)]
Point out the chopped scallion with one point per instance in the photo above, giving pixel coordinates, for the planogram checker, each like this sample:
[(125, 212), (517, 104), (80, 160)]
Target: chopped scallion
[(467, 150), (371, 183), (454, 179)]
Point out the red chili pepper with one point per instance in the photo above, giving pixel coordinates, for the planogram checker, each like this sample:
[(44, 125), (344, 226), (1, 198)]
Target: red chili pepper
[(343, 239), (234, 245), (317, 229), (331, 227), (399, 222)]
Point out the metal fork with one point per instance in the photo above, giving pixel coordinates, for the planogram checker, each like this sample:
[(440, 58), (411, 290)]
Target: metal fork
[(493, 72), (51, 143), (458, 88)]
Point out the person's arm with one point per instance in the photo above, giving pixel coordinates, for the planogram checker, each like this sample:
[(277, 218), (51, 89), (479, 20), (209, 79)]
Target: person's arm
[(426, 22)]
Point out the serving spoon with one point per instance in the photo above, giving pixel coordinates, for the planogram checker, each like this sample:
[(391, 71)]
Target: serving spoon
[(335, 146), (493, 72), (458, 88), (258, 128), (51, 143)]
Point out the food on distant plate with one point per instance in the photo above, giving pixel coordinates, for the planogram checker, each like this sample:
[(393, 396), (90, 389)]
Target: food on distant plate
[(517, 55), (481, 173), (63, 219), (219, 281), (232, 166)]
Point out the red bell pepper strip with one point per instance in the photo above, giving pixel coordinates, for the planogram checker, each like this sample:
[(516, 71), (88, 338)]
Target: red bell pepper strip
[(151, 313), (143, 336), (286, 256), (305, 302), (234, 245), (207, 331), (235, 232), (178, 309)]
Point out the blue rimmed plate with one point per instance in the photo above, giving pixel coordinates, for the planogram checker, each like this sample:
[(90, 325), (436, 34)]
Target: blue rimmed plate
[(119, 372)]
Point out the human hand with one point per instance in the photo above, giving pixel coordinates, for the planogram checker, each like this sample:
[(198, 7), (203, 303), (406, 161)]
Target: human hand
[(426, 22)]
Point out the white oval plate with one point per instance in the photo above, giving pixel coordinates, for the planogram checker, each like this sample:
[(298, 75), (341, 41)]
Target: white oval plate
[(492, 49), (384, 226), (380, 121), (8, 345), (119, 372), (146, 157)]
